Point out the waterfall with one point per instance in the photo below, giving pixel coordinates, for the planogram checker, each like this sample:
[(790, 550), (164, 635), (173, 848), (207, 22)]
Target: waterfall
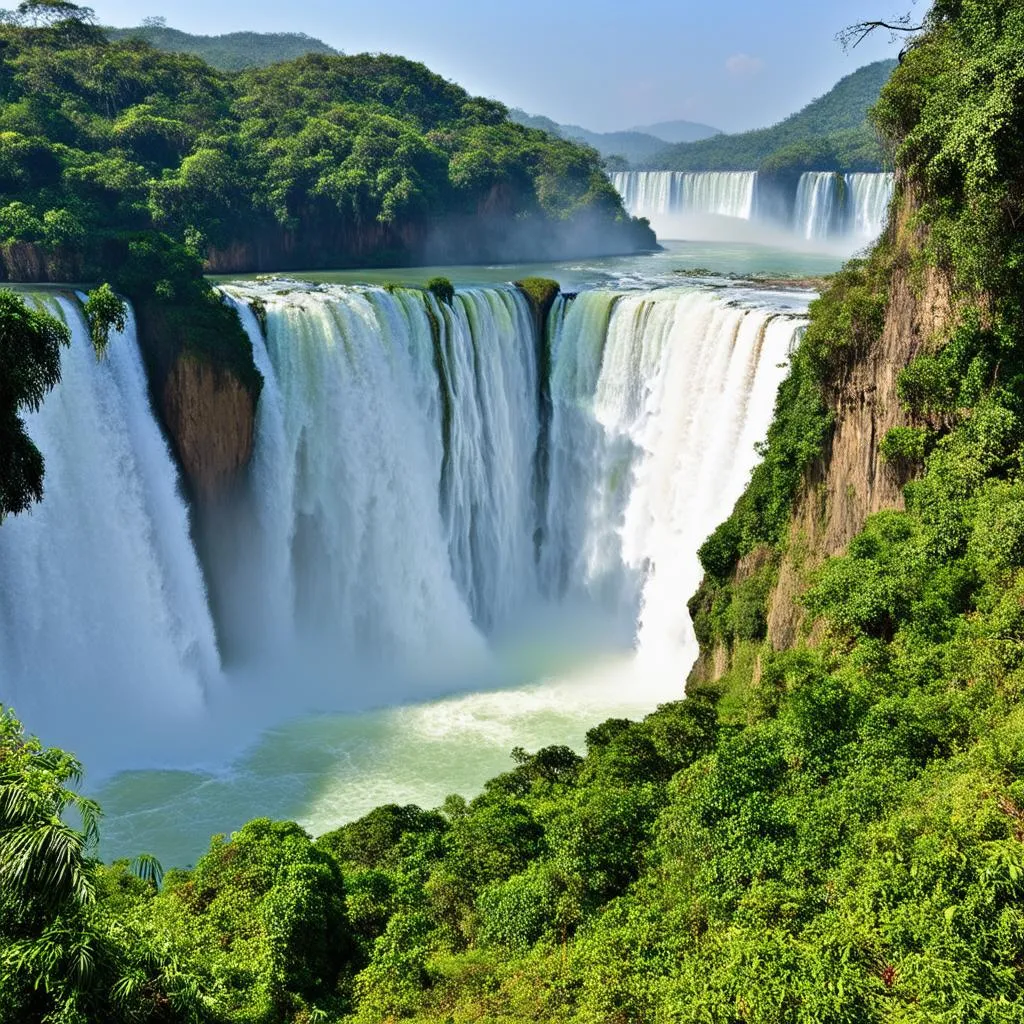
[(850, 206), (827, 206), (868, 203), (817, 204), (392, 484), (103, 610), (415, 488), (658, 400), (654, 194)]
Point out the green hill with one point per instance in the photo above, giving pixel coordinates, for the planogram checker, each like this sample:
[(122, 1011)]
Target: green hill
[(232, 52), (830, 133), (637, 146)]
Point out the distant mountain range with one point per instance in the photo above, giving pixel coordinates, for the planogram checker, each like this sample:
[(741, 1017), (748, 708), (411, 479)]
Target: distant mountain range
[(637, 145), (232, 52), (678, 131)]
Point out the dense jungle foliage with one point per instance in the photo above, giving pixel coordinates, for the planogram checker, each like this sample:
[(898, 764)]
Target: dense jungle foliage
[(838, 836), (103, 142), (831, 133), (233, 51)]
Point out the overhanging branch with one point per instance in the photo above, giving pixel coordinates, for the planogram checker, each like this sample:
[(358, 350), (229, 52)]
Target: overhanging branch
[(853, 35)]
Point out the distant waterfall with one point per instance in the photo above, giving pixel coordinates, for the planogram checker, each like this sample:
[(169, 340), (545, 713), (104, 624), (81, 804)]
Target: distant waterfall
[(819, 199), (103, 609), (868, 203), (852, 206), (653, 194), (412, 491), (827, 206)]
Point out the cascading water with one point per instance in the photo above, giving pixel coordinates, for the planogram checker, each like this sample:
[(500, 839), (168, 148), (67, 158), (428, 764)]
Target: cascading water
[(654, 194), (851, 206), (817, 205), (868, 201), (658, 399), (416, 490), (103, 609), (392, 485), (848, 208)]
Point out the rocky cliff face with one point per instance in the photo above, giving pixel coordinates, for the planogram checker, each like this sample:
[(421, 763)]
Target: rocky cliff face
[(492, 232), (850, 482), (210, 417), (28, 263)]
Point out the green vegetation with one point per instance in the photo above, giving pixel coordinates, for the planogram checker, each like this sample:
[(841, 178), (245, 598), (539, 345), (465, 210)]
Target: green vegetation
[(104, 312), (833, 832), (830, 134), (904, 446), (442, 289), (116, 154), (30, 343), (541, 291), (234, 51)]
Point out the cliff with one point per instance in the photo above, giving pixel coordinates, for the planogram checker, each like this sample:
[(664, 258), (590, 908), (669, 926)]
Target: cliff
[(30, 263), (205, 389), (496, 231), (210, 416), (848, 480), (851, 481)]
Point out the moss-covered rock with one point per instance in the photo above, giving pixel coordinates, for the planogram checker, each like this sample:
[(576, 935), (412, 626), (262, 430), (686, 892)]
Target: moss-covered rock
[(542, 292)]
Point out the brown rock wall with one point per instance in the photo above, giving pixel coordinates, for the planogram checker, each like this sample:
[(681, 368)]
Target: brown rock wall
[(210, 417)]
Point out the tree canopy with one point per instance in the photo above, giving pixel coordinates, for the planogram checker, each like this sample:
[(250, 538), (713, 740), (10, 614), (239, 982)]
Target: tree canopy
[(102, 140), (30, 344)]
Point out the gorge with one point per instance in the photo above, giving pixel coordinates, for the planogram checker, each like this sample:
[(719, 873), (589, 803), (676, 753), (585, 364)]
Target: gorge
[(369, 594), (426, 478)]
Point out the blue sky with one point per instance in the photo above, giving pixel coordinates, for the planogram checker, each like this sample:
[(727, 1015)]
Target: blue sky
[(735, 64)]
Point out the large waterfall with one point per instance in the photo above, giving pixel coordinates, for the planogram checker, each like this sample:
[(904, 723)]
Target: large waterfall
[(103, 610), (843, 208), (426, 476)]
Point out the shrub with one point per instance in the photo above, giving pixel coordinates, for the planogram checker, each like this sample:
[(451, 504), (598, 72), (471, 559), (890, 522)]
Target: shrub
[(104, 312), (442, 289), (904, 446)]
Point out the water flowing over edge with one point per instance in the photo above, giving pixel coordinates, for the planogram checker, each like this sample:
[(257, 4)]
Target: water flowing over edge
[(826, 206), (418, 488)]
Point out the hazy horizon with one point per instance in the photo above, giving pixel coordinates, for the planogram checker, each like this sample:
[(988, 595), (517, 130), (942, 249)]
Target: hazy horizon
[(599, 66)]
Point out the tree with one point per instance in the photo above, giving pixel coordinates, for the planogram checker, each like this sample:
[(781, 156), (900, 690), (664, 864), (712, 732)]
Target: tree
[(104, 312), (48, 13), (30, 343), (68, 23), (42, 857)]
